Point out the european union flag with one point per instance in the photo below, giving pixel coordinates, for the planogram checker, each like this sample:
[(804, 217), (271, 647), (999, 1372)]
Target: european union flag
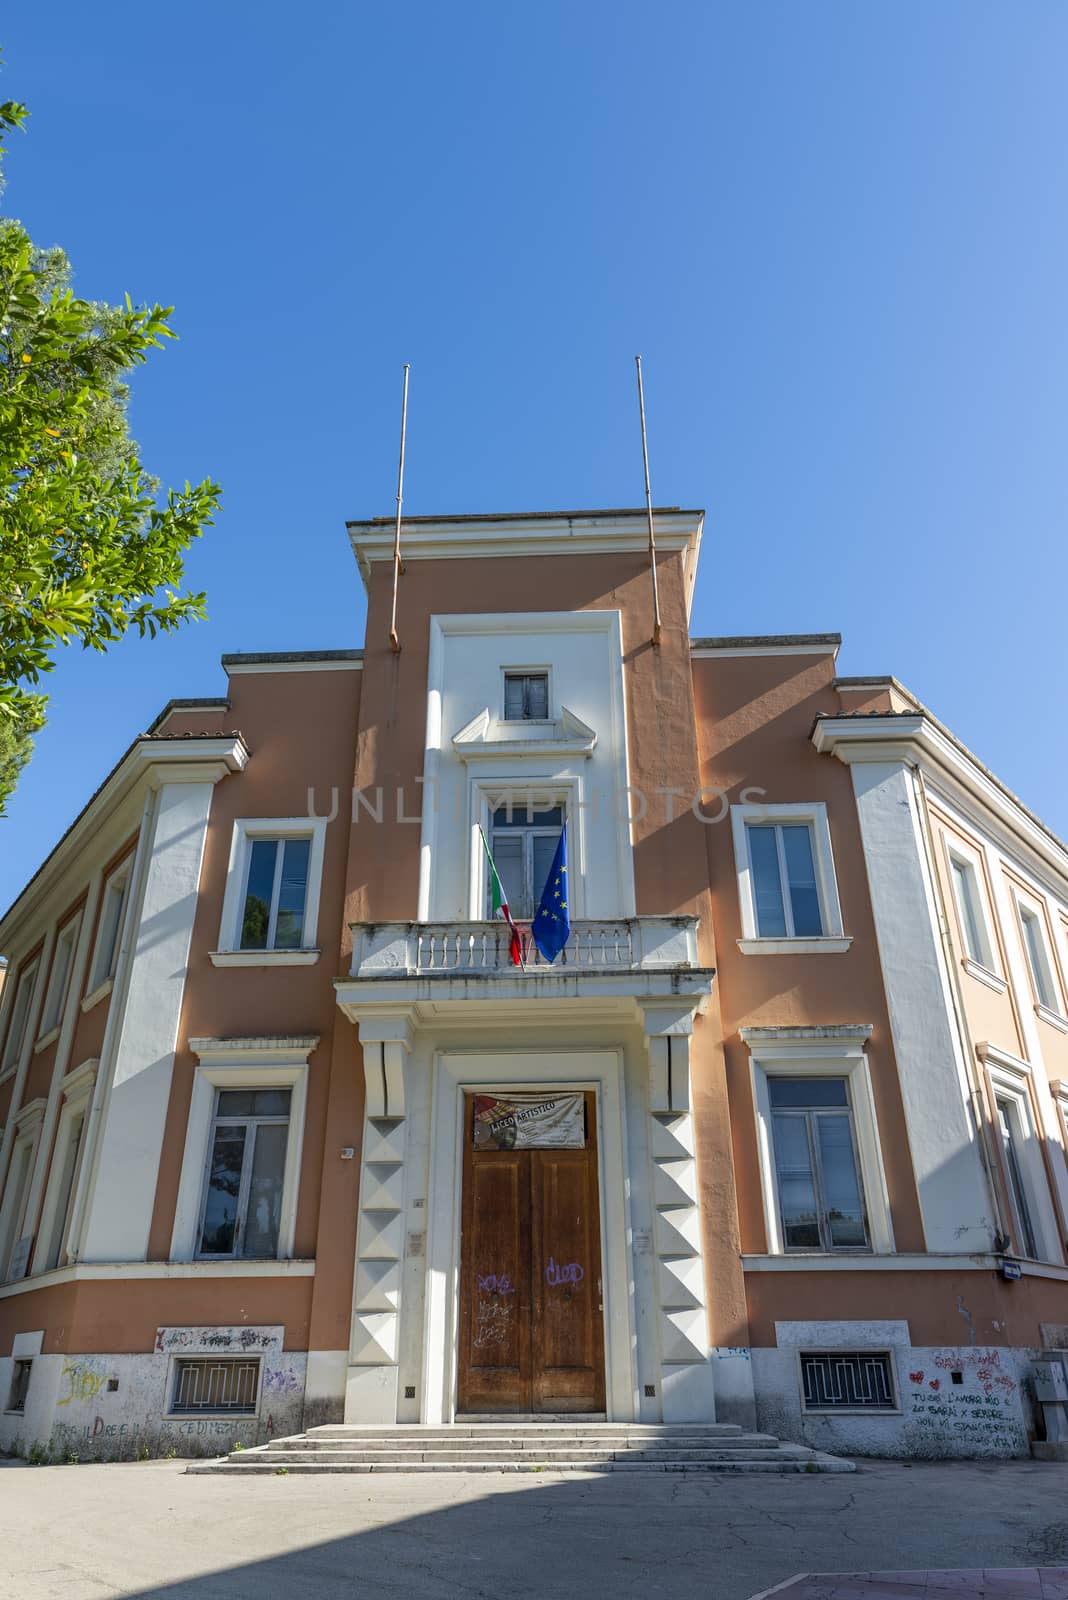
[(552, 921)]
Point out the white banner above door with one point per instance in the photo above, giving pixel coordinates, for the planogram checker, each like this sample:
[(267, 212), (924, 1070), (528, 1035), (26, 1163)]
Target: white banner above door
[(530, 1122)]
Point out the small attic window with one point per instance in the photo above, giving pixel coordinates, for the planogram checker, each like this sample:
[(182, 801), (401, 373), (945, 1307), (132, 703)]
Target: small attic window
[(526, 697)]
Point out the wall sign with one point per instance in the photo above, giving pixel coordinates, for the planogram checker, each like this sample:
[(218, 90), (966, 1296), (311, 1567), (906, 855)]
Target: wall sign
[(529, 1122)]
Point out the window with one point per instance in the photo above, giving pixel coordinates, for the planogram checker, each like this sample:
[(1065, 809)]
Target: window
[(215, 1384), (59, 978), (786, 883), (11, 1215), (20, 1385), (847, 1380), (242, 1207), (68, 1150), (276, 893), (1013, 1137), (969, 910), (20, 1016), (271, 905), (1038, 957), (107, 940), (523, 841), (526, 697), (820, 1201)]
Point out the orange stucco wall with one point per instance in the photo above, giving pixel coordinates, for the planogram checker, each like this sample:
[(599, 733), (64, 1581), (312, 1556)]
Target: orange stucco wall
[(755, 715), (121, 1316), (941, 1308)]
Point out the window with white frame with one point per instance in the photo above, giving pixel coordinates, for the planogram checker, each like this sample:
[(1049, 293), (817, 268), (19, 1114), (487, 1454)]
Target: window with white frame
[(821, 1202), (526, 696), (271, 905), (237, 1195), (970, 909), (68, 1160), (1012, 1136), (1039, 961), (13, 1251), (1032, 1220), (786, 880), (67, 1170), (523, 839), (60, 975), (242, 1208), (20, 1017), (821, 1166), (109, 930)]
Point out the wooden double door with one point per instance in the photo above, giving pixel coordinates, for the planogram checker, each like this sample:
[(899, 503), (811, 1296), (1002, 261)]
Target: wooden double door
[(531, 1317)]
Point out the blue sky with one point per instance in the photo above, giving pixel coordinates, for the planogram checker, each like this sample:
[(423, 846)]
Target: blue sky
[(837, 232)]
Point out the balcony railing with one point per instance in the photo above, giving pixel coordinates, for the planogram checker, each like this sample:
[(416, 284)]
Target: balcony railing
[(482, 949)]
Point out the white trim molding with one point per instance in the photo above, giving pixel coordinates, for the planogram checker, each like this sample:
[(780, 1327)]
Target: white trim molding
[(246, 831), (490, 738), (812, 814), (255, 1062), (984, 975), (590, 767), (833, 1051)]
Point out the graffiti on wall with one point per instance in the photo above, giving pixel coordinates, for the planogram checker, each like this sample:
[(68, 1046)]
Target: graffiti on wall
[(964, 1398)]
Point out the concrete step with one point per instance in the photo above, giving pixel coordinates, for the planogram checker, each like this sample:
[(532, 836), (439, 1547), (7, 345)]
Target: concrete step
[(254, 1463), (524, 1430), (505, 1457), (424, 1445)]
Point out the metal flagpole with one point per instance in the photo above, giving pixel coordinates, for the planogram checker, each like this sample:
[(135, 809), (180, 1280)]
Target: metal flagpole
[(398, 566), (649, 509)]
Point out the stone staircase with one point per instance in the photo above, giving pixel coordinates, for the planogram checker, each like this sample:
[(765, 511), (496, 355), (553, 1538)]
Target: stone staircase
[(527, 1447)]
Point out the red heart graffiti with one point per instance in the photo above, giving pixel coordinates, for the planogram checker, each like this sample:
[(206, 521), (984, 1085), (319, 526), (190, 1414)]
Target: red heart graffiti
[(935, 1384), (915, 1377)]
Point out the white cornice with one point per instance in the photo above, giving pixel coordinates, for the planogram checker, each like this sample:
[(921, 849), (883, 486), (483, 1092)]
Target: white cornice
[(275, 1049), (237, 669), (483, 538), (481, 739), (148, 763), (917, 740)]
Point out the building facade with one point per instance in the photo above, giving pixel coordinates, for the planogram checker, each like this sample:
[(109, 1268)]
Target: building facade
[(778, 1138)]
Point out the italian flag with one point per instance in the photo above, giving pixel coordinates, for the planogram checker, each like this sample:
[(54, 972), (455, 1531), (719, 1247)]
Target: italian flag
[(500, 904)]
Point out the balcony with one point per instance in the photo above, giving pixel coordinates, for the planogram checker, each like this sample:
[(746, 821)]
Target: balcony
[(452, 964)]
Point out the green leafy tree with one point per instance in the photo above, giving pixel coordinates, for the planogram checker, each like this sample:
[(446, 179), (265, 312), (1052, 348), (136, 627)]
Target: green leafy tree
[(87, 549)]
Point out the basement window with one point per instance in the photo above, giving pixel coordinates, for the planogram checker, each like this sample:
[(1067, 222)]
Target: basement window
[(20, 1385), (847, 1380), (212, 1385)]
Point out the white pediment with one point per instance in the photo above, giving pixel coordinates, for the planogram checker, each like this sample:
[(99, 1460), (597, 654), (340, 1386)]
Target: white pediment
[(485, 736)]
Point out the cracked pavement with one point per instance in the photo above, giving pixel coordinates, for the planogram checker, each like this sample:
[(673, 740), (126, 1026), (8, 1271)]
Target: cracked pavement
[(96, 1532)]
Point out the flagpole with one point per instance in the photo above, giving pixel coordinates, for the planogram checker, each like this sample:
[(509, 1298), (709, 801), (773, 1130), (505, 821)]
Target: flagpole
[(649, 509), (398, 566)]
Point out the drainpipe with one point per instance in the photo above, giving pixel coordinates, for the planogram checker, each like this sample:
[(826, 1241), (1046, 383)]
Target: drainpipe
[(976, 1098)]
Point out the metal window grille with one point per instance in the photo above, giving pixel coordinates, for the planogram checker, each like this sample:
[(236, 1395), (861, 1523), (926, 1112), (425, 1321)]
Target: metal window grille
[(20, 1385), (215, 1384), (848, 1380)]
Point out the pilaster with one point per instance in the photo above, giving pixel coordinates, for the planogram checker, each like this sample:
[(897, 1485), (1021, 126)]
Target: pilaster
[(686, 1389), (371, 1388)]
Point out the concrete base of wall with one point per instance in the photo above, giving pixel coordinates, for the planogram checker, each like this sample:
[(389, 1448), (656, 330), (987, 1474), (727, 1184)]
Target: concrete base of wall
[(118, 1407), (962, 1402)]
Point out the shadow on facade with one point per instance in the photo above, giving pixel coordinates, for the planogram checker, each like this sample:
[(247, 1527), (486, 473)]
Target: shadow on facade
[(615, 1534)]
